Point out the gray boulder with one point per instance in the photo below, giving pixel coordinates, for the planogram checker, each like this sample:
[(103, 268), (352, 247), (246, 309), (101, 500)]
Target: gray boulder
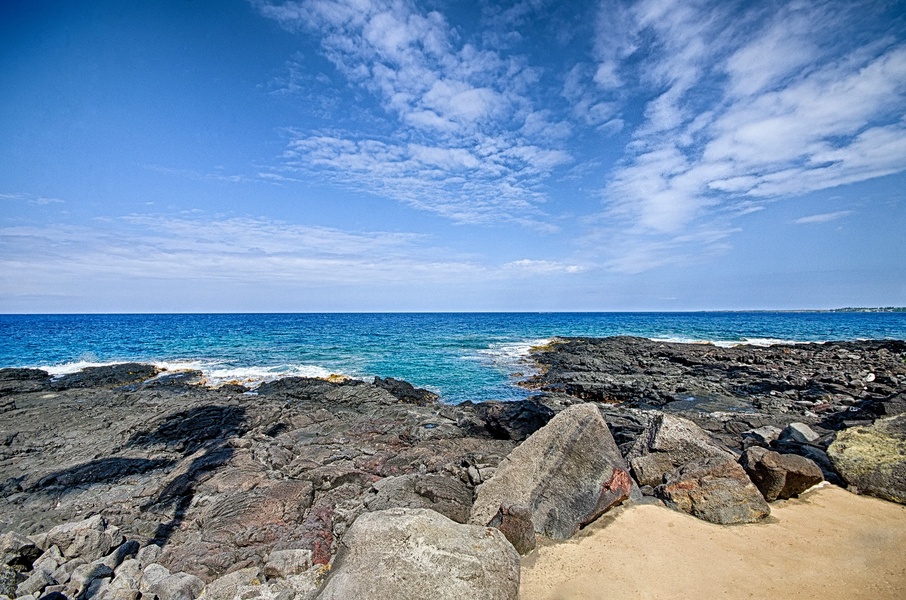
[(420, 554), (670, 442), (568, 473), (798, 433), (178, 586), (714, 489), (872, 459), (780, 476), (450, 497)]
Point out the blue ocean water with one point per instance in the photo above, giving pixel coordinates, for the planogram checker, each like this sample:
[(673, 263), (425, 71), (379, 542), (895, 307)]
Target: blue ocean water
[(462, 356)]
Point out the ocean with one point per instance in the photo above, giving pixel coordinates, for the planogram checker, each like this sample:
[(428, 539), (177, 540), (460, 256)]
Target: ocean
[(461, 356)]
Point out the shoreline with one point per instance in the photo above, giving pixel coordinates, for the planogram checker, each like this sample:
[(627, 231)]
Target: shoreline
[(217, 481)]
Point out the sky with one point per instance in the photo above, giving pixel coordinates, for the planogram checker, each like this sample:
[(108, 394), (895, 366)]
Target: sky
[(451, 155)]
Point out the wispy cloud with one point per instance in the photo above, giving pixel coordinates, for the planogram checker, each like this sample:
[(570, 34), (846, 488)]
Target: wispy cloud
[(469, 143), (823, 218), (189, 249), (32, 199), (749, 103)]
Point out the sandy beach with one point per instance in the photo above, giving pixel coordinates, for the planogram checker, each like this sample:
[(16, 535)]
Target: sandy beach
[(826, 544)]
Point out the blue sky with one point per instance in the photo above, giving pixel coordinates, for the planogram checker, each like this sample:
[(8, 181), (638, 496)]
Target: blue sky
[(370, 155)]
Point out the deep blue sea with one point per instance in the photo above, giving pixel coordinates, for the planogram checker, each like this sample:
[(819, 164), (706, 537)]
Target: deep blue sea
[(462, 356)]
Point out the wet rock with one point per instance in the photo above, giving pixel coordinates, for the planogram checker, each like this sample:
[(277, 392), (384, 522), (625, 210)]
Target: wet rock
[(780, 476), (714, 489), (669, 442), (568, 473), (872, 459), (446, 495), (420, 554), (106, 376), (515, 522)]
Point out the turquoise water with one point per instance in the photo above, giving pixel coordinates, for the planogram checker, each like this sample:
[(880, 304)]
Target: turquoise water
[(462, 356)]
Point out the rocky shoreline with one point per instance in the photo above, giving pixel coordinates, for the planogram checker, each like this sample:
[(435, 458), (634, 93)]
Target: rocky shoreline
[(126, 482)]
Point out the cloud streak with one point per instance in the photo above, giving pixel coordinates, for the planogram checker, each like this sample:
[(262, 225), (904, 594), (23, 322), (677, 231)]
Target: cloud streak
[(468, 144)]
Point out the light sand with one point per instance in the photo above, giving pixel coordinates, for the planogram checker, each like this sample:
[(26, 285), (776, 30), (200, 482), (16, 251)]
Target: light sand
[(827, 544)]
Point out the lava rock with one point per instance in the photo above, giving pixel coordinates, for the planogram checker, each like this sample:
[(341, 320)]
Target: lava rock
[(780, 476), (714, 489)]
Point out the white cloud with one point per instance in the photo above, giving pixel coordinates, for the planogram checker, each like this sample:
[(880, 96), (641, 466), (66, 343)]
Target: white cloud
[(823, 218), (469, 144), (747, 102)]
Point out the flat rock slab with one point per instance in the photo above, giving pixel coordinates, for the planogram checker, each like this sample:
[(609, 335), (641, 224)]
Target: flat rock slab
[(420, 554), (873, 459), (568, 473), (716, 490)]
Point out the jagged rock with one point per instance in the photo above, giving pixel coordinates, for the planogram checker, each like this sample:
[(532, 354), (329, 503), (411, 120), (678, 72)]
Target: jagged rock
[(120, 553), (84, 575), (50, 560), (88, 539), (420, 554), (148, 554), (36, 582), (284, 563), (405, 391), (670, 442), (178, 586), (714, 489), (227, 587), (513, 420), (799, 433), (9, 580), (515, 522), (18, 551), (152, 574), (128, 576), (568, 473), (873, 459), (450, 497), (106, 376), (780, 476), (762, 436)]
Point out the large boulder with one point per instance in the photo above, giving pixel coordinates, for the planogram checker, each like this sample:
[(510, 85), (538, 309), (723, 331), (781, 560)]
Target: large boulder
[(568, 473), (670, 442), (780, 476), (420, 554), (872, 459), (714, 489)]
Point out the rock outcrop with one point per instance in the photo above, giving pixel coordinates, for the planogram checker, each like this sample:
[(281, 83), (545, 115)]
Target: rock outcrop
[(670, 442), (872, 459), (567, 473), (780, 476), (420, 554), (714, 489)]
